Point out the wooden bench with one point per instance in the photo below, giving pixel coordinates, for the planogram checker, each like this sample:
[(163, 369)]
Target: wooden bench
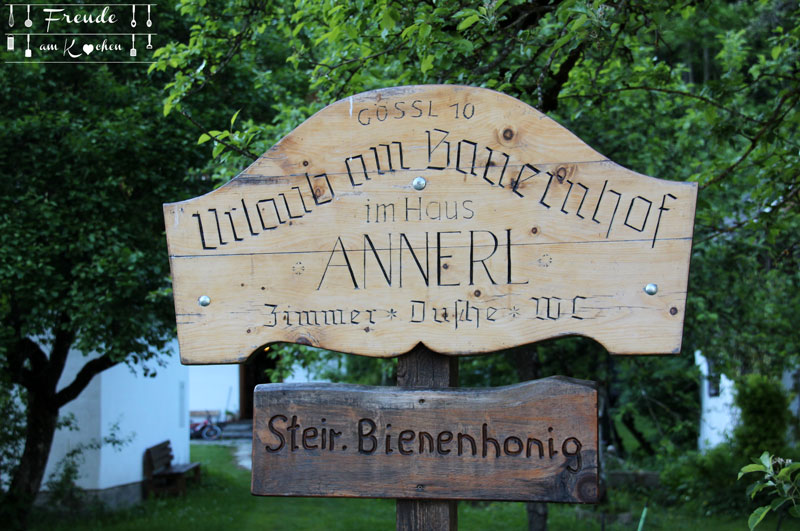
[(161, 476)]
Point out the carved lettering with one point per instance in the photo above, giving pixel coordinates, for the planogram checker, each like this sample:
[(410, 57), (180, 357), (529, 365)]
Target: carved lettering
[(298, 435)]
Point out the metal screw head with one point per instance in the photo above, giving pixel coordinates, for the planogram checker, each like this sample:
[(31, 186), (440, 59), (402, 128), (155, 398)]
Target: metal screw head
[(419, 183), (651, 289), (204, 300)]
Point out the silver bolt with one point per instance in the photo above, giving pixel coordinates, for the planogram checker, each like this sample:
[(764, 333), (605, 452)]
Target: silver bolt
[(204, 300), (651, 289), (419, 183)]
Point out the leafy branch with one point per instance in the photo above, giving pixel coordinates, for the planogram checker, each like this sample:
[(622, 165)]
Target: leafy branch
[(361, 60), (218, 138), (729, 228), (780, 478), (675, 92), (774, 119)]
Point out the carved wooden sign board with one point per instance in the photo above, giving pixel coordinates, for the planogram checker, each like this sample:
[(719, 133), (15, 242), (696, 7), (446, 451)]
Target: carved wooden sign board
[(521, 232), (455, 217), (531, 441)]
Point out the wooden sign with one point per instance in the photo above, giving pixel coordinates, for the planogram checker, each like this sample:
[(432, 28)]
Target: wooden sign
[(535, 441), (453, 216)]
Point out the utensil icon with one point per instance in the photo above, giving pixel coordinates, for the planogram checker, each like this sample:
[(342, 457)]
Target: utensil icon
[(11, 16), (28, 49), (133, 45), (148, 16), (133, 16), (10, 43), (28, 22), (149, 45)]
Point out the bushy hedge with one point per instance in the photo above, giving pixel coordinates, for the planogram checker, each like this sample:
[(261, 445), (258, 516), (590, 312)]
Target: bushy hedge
[(765, 416), (708, 479)]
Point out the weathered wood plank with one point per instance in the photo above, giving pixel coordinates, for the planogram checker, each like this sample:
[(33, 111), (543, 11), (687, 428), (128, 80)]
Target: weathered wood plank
[(521, 233), (424, 368), (535, 441), (419, 515)]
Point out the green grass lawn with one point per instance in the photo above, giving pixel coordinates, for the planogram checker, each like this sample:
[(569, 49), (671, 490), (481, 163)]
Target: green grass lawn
[(223, 500)]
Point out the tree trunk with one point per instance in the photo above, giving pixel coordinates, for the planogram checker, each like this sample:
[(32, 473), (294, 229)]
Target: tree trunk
[(43, 404), (42, 420)]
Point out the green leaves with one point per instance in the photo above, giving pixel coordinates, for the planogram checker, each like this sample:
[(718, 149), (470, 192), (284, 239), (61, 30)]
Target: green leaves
[(787, 471), (424, 30), (756, 517), (751, 468), (780, 480), (426, 64), (766, 461), (387, 21), (233, 118), (467, 22)]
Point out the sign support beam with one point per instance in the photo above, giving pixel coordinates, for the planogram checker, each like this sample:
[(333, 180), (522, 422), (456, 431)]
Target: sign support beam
[(424, 368)]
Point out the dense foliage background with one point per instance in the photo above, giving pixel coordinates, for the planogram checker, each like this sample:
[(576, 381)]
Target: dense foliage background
[(706, 91)]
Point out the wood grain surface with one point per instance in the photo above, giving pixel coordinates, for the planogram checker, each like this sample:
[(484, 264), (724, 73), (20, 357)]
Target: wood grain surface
[(522, 232), (535, 441)]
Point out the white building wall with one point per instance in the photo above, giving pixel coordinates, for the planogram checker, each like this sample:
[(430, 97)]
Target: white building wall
[(718, 414), (214, 388), (791, 381), (85, 408), (154, 409)]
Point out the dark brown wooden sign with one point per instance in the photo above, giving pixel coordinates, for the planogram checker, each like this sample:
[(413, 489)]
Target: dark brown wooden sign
[(531, 441)]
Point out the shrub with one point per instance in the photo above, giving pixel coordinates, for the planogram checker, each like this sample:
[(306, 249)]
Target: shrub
[(63, 494), (706, 480), (765, 416)]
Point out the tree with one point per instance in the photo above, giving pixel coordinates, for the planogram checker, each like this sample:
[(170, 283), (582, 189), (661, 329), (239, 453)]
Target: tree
[(86, 159)]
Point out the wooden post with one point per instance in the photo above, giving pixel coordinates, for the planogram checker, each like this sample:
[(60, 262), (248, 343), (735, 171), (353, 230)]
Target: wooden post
[(424, 368)]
